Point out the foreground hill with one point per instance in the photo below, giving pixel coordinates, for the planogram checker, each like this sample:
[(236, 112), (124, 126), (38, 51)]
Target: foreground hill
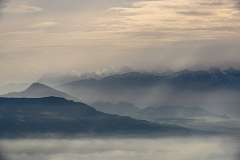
[(22, 117), (38, 90)]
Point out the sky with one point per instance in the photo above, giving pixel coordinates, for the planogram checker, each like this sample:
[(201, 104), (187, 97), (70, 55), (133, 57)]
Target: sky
[(72, 36)]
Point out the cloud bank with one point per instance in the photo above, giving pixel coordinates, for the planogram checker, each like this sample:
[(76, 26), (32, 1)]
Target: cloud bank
[(171, 20), (119, 149), (20, 8), (44, 24)]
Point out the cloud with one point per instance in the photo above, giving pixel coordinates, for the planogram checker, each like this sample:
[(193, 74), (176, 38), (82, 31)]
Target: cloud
[(1, 5), (237, 4), (214, 3), (195, 13), (119, 149), (20, 8), (148, 35), (173, 20), (1, 1), (44, 24)]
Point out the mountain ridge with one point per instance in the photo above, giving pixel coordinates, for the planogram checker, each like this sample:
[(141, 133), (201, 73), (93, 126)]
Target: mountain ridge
[(38, 90), (190, 117), (155, 112), (212, 76), (149, 89), (22, 117)]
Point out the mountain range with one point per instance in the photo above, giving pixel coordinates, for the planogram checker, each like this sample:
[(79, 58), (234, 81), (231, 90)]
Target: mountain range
[(54, 79), (175, 112), (23, 117), (154, 113), (121, 108), (185, 79), (189, 117), (162, 114), (215, 88)]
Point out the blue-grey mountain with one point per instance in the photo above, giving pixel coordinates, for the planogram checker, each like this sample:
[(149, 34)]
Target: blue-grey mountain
[(21, 117), (190, 117), (38, 90), (214, 88), (121, 108)]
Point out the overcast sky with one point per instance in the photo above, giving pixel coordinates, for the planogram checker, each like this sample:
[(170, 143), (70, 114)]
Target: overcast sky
[(38, 37)]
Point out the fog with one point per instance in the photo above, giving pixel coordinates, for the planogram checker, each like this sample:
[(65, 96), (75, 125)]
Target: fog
[(118, 149), (220, 101)]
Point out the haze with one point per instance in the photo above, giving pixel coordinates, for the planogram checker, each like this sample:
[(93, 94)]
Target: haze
[(38, 37), (221, 148)]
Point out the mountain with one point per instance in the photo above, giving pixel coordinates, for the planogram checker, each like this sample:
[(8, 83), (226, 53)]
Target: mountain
[(54, 79), (175, 112), (12, 87), (156, 113), (185, 79), (189, 117), (23, 117), (215, 87), (38, 90), (121, 108)]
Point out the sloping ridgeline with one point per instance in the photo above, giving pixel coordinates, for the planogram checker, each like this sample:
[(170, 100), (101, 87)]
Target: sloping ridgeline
[(29, 117), (38, 90)]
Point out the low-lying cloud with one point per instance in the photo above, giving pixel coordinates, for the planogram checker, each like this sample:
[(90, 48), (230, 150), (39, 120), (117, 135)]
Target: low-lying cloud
[(1, 4), (20, 8), (119, 149)]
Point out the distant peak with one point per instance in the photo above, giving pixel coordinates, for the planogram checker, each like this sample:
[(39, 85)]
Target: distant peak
[(182, 72), (37, 85), (124, 103), (195, 107), (185, 71), (215, 69), (231, 69)]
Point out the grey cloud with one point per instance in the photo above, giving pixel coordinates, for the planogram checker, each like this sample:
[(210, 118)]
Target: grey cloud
[(71, 5), (1, 4), (237, 4), (211, 3), (21, 8), (195, 13), (1, 1), (2, 157), (201, 148)]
